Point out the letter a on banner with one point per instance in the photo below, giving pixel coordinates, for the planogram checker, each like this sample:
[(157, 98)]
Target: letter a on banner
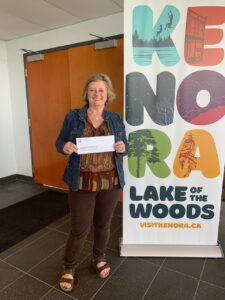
[(174, 112)]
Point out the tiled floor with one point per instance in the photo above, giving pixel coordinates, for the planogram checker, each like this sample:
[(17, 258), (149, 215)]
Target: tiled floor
[(16, 191), (30, 270)]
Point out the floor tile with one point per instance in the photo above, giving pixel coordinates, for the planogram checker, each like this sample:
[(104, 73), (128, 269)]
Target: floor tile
[(24, 243), (8, 274), (88, 281), (153, 260), (56, 295), (32, 254), (130, 281), (60, 222), (25, 288), (209, 292), (169, 285), (116, 223), (64, 227), (8, 198), (13, 192), (50, 269), (114, 240), (21, 185), (188, 266), (214, 271)]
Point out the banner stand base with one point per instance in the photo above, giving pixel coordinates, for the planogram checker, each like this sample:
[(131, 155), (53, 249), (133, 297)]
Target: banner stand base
[(206, 251)]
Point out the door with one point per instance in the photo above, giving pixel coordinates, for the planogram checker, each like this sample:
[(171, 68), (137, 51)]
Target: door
[(48, 100), (55, 86)]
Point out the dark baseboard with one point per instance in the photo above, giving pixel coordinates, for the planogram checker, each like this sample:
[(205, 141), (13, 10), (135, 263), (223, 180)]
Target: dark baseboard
[(15, 177)]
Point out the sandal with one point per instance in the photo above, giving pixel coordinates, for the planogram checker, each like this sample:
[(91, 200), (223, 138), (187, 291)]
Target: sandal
[(66, 280), (99, 269)]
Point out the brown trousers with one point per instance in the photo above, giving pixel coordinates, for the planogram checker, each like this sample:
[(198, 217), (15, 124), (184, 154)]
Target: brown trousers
[(87, 209)]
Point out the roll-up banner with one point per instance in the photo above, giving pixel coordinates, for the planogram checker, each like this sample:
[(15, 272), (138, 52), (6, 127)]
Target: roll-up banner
[(174, 116)]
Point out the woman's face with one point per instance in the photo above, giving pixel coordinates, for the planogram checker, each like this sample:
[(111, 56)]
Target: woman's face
[(97, 93)]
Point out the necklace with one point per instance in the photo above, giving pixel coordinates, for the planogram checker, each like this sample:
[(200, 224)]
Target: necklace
[(93, 115)]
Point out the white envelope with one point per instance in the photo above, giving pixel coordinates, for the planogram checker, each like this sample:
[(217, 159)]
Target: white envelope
[(95, 144)]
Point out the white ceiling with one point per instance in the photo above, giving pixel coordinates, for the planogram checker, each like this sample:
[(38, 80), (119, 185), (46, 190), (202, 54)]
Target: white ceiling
[(19, 18)]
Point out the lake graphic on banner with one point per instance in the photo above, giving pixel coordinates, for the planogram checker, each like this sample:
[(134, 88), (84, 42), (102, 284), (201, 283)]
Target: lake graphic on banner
[(143, 55)]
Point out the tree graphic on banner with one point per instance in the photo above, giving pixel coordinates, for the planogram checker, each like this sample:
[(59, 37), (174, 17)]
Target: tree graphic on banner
[(140, 143)]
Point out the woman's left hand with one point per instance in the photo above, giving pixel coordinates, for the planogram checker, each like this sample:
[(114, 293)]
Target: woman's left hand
[(119, 147)]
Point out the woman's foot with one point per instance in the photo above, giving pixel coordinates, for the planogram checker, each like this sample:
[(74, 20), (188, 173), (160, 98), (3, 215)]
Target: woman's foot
[(66, 281), (102, 268)]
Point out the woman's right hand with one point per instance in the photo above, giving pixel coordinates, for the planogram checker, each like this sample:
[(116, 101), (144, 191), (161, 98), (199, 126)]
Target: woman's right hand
[(70, 148)]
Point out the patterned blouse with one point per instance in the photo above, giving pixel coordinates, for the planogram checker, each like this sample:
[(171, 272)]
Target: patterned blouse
[(97, 170)]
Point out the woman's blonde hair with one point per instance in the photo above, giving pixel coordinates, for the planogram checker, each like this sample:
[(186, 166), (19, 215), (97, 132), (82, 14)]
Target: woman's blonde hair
[(103, 77)]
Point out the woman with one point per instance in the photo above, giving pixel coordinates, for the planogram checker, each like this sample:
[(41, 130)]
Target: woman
[(95, 180)]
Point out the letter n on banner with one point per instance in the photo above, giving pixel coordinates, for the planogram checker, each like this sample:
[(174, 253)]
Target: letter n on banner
[(174, 112)]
